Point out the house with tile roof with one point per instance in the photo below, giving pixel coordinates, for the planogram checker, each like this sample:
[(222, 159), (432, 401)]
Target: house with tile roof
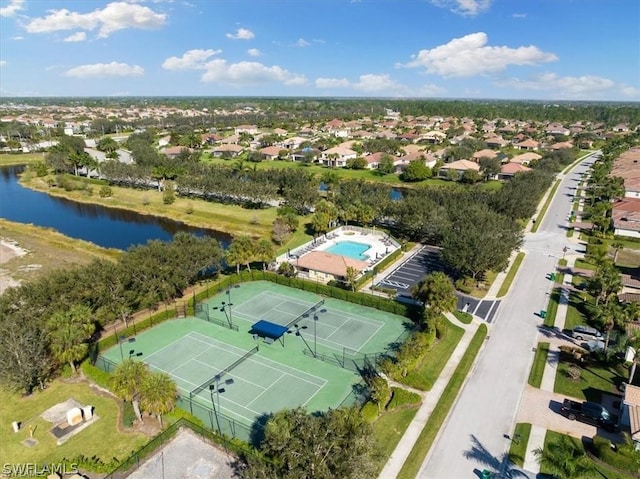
[(625, 215), (528, 144), (631, 412), (509, 170), (459, 166), (323, 267)]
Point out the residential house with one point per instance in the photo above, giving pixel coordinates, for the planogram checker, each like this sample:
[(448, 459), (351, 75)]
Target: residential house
[(228, 150), (525, 158), (459, 166), (561, 145), (625, 215), (486, 153), (292, 143), (528, 144), (373, 160), (496, 142), (270, 152), (631, 412), (509, 170), (249, 129), (337, 156), (173, 151)]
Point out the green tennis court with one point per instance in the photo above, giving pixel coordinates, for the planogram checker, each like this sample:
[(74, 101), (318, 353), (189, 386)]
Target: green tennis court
[(259, 384), (334, 326)]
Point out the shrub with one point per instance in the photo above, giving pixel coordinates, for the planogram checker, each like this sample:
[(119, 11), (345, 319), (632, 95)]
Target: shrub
[(105, 192), (401, 397), (189, 209), (168, 195), (128, 414), (369, 411), (624, 457), (145, 200)]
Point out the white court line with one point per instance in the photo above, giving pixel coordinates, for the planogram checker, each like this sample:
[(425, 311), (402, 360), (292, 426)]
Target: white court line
[(167, 346), (266, 389), (264, 360), (241, 378)]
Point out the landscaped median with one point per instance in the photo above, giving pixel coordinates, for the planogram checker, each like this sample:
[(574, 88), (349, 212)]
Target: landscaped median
[(544, 209), (539, 361), (440, 412), (506, 284)]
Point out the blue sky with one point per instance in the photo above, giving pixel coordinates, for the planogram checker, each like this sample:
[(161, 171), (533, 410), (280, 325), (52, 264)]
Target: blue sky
[(509, 49)]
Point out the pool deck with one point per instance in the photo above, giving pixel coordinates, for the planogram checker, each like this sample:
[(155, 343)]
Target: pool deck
[(380, 243)]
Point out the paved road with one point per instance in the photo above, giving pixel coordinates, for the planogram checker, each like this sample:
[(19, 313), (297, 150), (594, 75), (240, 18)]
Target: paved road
[(484, 414)]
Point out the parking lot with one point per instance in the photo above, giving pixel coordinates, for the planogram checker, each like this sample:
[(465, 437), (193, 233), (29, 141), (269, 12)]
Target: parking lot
[(425, 261)]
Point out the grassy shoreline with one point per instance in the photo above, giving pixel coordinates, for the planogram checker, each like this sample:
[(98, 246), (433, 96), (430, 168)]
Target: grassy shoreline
[(230, 219)]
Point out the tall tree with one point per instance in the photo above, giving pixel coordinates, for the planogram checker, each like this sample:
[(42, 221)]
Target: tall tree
[(240, 251), (159, 394), (437, 292), (128, 382), (69, 334), (337, 443), (265, 252)]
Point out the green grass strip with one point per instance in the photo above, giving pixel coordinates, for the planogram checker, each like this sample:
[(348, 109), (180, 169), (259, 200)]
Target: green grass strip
[(518, 447), (506, 284), (539, 218), (463, 317), (539, 361), (439, 414), (552, 308)]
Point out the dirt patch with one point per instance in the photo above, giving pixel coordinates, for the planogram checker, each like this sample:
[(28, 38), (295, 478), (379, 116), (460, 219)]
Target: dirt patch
[(8, 251)]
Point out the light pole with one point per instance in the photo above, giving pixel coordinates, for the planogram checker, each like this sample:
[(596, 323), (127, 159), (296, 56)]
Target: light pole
[(297, 333), (215, 387), (229, 303), (122, 339), (133, 354), (315, 334)]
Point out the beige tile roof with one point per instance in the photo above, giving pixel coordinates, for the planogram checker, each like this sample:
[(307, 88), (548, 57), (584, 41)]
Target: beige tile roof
[(330, 263), (632, 395)]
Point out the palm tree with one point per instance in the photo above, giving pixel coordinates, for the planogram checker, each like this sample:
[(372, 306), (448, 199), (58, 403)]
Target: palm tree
[(351, 276), (128, 382), (617, 246), (264, 252), (611, 315), (69, 332), (159, 394), (565, 459), (240, 251)]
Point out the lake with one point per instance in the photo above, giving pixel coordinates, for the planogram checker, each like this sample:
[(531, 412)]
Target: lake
[(106, 227)]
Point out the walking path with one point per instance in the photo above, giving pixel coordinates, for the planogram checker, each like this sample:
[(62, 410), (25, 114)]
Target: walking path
[(429, 401)]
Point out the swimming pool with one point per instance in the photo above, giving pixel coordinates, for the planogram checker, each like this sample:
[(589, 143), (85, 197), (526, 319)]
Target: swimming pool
[(350, 248)]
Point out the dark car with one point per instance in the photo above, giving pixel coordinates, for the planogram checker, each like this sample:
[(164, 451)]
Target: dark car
[(590, 413)]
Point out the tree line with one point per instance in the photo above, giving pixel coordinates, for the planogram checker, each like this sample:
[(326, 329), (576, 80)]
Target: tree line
[(53, 320)]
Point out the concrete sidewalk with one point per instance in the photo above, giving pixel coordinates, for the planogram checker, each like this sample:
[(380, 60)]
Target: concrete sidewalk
[(429, 402)]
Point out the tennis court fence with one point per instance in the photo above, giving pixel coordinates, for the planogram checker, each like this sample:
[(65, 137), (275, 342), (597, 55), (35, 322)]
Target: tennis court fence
[(202, 312), (221, 423)]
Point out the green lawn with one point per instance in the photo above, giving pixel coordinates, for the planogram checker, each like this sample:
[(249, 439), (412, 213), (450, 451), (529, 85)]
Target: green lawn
[(504, 288), (539, 361), (426, 375), (101, 439), (603, 472), (389, 428), (439, 414), (463, 317), (552, 308), (594, 380), (7, 159), (518, 447)]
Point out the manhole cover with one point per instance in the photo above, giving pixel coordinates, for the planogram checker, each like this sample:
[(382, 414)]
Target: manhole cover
[(30, 442)]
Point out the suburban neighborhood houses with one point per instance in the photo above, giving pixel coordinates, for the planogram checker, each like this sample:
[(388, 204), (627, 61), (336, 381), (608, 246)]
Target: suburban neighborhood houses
[(435, 294)]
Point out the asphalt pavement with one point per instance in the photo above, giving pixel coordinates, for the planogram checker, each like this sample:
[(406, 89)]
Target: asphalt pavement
[(483, 416)]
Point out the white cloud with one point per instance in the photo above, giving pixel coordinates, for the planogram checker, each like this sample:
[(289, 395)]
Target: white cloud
[(464, 7), (3, 63), (241, 34), (380, 84), (583, 87), (249, 73), (10, 10), (76, 37), (17, 38), (519, 15), (191, 60), (332, 83), (115, 16), (113, 69), (301, 43), (254, 52), (470, 55)]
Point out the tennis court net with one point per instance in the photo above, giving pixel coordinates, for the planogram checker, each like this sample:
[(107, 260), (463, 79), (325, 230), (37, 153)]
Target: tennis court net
[(308, 311), (226, 370)]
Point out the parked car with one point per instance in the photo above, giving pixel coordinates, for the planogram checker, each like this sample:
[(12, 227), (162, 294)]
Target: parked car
[(590, 413), (583, 332)]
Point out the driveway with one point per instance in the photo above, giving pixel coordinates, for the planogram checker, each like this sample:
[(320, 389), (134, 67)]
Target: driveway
[(542, 408)]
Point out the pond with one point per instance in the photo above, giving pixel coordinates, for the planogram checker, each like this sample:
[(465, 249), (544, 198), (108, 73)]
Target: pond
[(106, 227)]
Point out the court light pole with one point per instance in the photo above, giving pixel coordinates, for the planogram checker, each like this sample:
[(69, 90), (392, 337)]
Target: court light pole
[(297, 333), (215, 387), (229, 301)]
